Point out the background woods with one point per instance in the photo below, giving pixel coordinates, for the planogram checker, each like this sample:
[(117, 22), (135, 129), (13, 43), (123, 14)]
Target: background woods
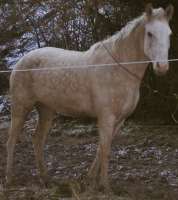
[(77, 24)]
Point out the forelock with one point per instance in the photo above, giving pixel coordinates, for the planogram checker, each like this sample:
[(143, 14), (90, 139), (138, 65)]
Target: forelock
[(159, 12)]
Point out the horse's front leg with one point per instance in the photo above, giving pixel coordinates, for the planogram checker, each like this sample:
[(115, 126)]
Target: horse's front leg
[(99, 168)]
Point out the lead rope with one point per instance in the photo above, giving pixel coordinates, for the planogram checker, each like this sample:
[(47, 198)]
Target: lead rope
[(119, 63), (128, 71), (172, 114)]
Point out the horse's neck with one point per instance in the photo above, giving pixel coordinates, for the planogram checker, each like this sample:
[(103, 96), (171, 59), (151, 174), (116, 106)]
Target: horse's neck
[(131, 49)]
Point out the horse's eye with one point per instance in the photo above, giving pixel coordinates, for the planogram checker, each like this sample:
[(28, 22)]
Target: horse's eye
[(150, 34)]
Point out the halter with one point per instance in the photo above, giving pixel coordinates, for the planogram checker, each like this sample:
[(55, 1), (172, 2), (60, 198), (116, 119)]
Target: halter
[(143, 82)]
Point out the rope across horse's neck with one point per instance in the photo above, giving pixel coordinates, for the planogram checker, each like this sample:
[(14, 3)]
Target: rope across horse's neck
[(143, 82), (140, 79), (120, 65)]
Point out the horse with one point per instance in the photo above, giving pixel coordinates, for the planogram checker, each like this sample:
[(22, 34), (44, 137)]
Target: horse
[(109, 94)]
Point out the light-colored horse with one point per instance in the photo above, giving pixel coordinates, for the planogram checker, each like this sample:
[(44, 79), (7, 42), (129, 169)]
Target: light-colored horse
[(109, 94)]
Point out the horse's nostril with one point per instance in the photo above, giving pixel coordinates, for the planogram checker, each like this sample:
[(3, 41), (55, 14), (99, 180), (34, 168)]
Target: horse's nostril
[(161, 68)]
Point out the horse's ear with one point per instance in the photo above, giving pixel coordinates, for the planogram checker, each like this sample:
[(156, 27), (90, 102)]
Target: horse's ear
[(169, 11), (149, 10)]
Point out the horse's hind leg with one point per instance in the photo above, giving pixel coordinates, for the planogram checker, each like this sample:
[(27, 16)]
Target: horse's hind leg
[(44, 124), (18, 114)]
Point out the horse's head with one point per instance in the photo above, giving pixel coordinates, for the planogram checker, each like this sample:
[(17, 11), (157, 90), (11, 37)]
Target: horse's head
[(157, 37)]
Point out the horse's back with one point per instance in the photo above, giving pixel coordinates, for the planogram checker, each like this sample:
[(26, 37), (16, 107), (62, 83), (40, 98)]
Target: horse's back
[(43, 61), (50, 57)]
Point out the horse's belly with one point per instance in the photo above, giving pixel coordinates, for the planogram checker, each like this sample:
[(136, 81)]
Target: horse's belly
[(66, 91), (68, 102), (73, 107)]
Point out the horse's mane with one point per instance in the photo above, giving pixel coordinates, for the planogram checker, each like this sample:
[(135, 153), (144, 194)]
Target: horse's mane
[(128, 29)]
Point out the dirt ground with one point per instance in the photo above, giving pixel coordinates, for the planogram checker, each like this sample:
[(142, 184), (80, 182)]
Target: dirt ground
[(143, 165)]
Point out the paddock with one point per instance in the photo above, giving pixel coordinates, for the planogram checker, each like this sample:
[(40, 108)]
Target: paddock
[(144, 157), (140, 163)]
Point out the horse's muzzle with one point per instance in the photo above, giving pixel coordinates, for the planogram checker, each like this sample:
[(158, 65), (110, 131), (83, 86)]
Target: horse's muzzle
[(161, 68)]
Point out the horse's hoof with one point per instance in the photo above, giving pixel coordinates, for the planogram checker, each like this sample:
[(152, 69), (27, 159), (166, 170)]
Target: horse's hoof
[(91, 185), (105, 189), (9, 181), (45, 181)]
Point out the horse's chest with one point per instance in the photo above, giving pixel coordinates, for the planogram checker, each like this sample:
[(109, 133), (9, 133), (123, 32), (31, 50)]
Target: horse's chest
[(126, 101)]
